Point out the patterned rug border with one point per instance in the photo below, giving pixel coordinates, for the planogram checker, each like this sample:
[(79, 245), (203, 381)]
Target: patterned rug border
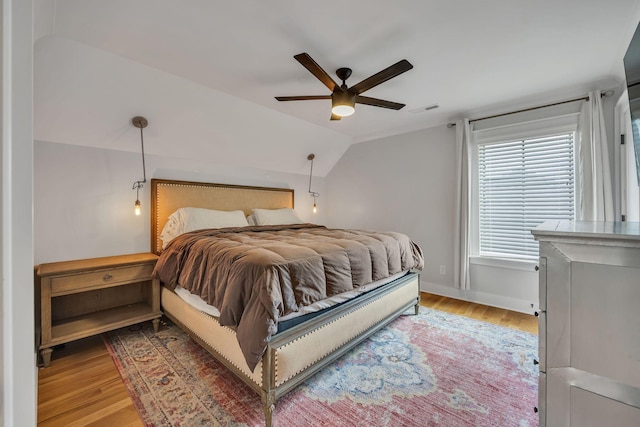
[(446, 322), (135, 398)]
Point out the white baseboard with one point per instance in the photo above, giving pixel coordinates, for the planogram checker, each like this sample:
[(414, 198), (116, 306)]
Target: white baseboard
[(499, 301)]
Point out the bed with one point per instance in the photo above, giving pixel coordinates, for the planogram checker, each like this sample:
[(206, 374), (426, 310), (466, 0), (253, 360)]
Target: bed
[(292, 355)]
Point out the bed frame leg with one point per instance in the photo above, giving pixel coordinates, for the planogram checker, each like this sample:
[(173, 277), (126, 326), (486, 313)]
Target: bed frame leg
[(269, 406), (416, 309)]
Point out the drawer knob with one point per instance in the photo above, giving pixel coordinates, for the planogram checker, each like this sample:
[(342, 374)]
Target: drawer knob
[(537, 268), (107, 277)]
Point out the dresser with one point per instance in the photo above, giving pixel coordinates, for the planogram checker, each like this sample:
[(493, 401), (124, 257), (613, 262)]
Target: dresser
[(76, 299), (589, 324)]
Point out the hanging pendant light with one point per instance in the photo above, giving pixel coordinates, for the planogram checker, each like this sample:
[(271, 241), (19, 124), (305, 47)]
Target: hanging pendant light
[(312, 193), (141, 123)]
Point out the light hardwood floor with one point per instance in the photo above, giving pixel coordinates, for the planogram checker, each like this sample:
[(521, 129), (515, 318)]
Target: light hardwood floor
[(498, 316), (82, 386)]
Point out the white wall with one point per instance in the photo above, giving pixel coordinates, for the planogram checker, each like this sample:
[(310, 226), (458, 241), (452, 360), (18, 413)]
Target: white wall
[(407, 183), (403, 183), (83, 201), (18, 372)]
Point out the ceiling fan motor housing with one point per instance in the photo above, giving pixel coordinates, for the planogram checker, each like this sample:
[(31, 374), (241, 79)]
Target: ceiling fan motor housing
[(343, 73), (343, 97)]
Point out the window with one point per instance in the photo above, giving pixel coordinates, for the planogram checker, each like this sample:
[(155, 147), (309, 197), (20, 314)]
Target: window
[(521, 185), (523, 179)]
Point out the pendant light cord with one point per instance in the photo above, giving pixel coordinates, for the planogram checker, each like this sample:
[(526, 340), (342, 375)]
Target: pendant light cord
[(141, 123), (313, 193), (144, 170)]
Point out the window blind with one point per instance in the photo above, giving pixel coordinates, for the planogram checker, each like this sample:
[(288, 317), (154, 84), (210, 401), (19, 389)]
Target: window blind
[(522, 184)]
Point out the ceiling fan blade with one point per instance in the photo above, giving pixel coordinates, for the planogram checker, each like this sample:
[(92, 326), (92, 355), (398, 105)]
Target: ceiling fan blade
[(335, 117), (378, 102), (311, 65), (381, 77), (302, 98)]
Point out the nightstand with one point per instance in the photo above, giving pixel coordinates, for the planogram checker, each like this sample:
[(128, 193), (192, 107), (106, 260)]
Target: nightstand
[(86, 297)]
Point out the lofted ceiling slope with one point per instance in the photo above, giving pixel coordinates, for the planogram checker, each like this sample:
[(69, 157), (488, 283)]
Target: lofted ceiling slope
[(206, 72)]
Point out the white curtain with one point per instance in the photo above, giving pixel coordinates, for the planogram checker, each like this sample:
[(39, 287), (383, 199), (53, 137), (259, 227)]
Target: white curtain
[(461, 244), (595, 198)]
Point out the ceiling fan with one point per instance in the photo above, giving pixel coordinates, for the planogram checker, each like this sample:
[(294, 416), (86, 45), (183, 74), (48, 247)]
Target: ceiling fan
[(343, 98)]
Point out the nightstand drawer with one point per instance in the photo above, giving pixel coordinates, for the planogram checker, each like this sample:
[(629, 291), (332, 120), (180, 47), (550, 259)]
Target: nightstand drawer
[(63, 285)]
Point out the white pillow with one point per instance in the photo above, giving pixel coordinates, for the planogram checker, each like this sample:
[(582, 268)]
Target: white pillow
[(276, 216), (251, 219), (189, 219), (169, 231)]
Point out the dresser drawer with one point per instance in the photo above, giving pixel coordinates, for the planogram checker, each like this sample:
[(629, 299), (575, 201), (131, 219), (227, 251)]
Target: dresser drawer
[(63, 285)]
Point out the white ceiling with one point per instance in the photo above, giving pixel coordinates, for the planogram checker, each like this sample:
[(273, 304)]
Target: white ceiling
[(470, 57)]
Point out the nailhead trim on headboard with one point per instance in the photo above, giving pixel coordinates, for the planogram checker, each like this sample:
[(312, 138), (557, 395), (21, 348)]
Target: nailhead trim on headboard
[(237, 197)]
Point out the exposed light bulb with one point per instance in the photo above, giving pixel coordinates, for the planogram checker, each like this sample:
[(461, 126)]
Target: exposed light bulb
[(137, 208), (315, 208)]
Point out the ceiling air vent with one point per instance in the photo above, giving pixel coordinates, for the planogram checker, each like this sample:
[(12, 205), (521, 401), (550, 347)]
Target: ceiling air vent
[(423, 109)]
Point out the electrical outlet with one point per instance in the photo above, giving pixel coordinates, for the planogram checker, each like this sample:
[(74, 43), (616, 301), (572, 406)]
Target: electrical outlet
[(443, 270)]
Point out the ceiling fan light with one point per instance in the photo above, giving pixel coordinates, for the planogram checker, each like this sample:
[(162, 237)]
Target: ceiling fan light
[(343, 104), (343, 110)]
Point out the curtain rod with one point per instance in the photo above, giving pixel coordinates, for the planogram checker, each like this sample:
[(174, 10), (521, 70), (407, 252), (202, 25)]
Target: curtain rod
[(583, 98)]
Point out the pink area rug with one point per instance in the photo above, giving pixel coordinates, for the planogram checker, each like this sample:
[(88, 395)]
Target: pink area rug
[(434, 369)]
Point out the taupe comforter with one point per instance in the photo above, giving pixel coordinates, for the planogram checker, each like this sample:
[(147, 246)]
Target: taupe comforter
[(255, 275)]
